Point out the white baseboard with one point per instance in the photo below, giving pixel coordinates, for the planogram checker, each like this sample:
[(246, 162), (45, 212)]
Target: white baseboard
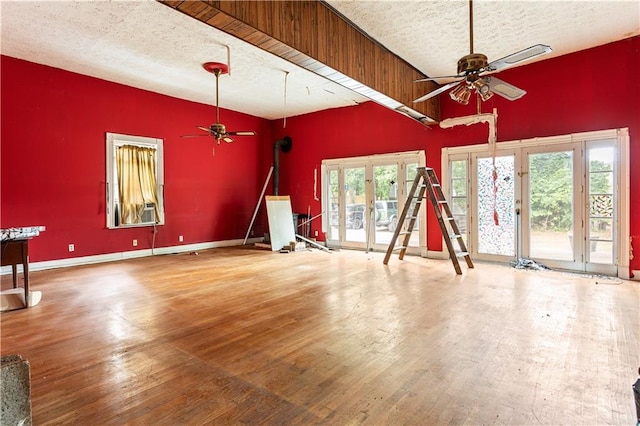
[(431, 254), (111, 257)]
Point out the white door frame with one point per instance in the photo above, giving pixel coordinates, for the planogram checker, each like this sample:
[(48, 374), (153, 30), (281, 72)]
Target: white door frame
[(475, 251), (577, 149), (621, 138), (368, 162)]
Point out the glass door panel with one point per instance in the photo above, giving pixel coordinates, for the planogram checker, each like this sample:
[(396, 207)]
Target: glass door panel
[(551, 208), (458, 196), (410, 176), (496, 224), (334, 210), (354, 206), (601, 206), (385, 195)]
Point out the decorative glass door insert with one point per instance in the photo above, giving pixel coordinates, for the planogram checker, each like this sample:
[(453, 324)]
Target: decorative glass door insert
[(495, 203), (333, 205)]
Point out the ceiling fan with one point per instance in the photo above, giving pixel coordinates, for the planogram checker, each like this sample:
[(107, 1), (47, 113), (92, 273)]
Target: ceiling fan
[(218, 130), (476, 73)]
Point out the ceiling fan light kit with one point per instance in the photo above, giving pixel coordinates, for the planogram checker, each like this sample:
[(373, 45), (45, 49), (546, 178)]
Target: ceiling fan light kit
[(461, 94), (483, 89)]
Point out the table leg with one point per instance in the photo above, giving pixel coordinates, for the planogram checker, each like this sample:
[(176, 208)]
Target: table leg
[(25, 271)]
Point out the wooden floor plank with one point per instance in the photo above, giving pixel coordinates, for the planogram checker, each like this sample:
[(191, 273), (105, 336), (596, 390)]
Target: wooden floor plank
[(239, 335)]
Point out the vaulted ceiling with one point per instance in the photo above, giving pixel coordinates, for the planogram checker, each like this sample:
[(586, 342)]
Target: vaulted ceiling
[(308, 60)]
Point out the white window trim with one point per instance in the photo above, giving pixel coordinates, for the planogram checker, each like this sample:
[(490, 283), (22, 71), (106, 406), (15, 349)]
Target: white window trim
[(114, 140)]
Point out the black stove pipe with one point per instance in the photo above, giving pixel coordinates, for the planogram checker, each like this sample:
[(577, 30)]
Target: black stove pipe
[(283, 144)]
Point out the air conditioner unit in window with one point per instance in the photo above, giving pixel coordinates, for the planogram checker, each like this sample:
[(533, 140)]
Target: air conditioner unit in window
[(149, 213)]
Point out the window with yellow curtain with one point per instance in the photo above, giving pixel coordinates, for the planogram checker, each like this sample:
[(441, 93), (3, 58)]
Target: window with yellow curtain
[(134, 181), (137, 184)]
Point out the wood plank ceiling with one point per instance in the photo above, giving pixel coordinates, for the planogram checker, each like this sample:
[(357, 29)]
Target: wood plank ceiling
[(311, 35)]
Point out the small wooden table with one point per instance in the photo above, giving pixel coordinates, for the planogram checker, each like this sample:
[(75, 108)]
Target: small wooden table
[(13, 253)]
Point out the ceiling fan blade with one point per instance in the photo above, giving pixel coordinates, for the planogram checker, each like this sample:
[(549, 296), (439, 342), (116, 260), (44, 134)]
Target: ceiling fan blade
[(514, 58), (204, 129), (242, 133), (437, 78), (437, 91), (195, 136), (227, 139), (504, 89)]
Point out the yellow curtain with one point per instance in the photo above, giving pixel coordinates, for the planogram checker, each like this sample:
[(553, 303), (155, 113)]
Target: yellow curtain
[(137, 182)]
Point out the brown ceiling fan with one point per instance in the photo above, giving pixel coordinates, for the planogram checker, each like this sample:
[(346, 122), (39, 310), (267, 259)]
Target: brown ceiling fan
[(476, 73), (218, 130)]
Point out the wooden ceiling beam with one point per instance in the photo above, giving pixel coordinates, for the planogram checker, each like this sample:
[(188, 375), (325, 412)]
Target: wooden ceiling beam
[(313, 36)]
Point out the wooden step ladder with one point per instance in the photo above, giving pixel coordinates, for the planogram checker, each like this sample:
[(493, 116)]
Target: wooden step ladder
[(427, 181)]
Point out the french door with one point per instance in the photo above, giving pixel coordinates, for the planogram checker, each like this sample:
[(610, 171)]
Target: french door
[(496, 237), (551, 216), (364, 196), (556, 203)]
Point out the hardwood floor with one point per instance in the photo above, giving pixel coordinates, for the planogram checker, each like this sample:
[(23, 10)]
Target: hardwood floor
[(241, 335)]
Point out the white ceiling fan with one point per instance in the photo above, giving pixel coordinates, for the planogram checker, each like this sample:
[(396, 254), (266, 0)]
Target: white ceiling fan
[(218, 130), (476, 73)]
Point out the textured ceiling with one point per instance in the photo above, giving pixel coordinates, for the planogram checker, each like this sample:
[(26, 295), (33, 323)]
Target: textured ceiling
[(148, 45), (433, 35)]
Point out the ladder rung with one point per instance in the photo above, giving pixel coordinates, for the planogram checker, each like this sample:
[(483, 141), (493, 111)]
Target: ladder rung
[(453, 237), (442, 201), (449, 218), (405, 233), (462, 254), (411, 217), (399, 248)]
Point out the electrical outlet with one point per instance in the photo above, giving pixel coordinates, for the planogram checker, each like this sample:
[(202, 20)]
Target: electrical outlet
[(315, 233), (135, 243), (180, 238), (72, 247)]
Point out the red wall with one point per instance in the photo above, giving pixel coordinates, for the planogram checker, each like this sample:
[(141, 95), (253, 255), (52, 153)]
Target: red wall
[(590, 90), (365, 129), (53, 162), (53, 147)]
